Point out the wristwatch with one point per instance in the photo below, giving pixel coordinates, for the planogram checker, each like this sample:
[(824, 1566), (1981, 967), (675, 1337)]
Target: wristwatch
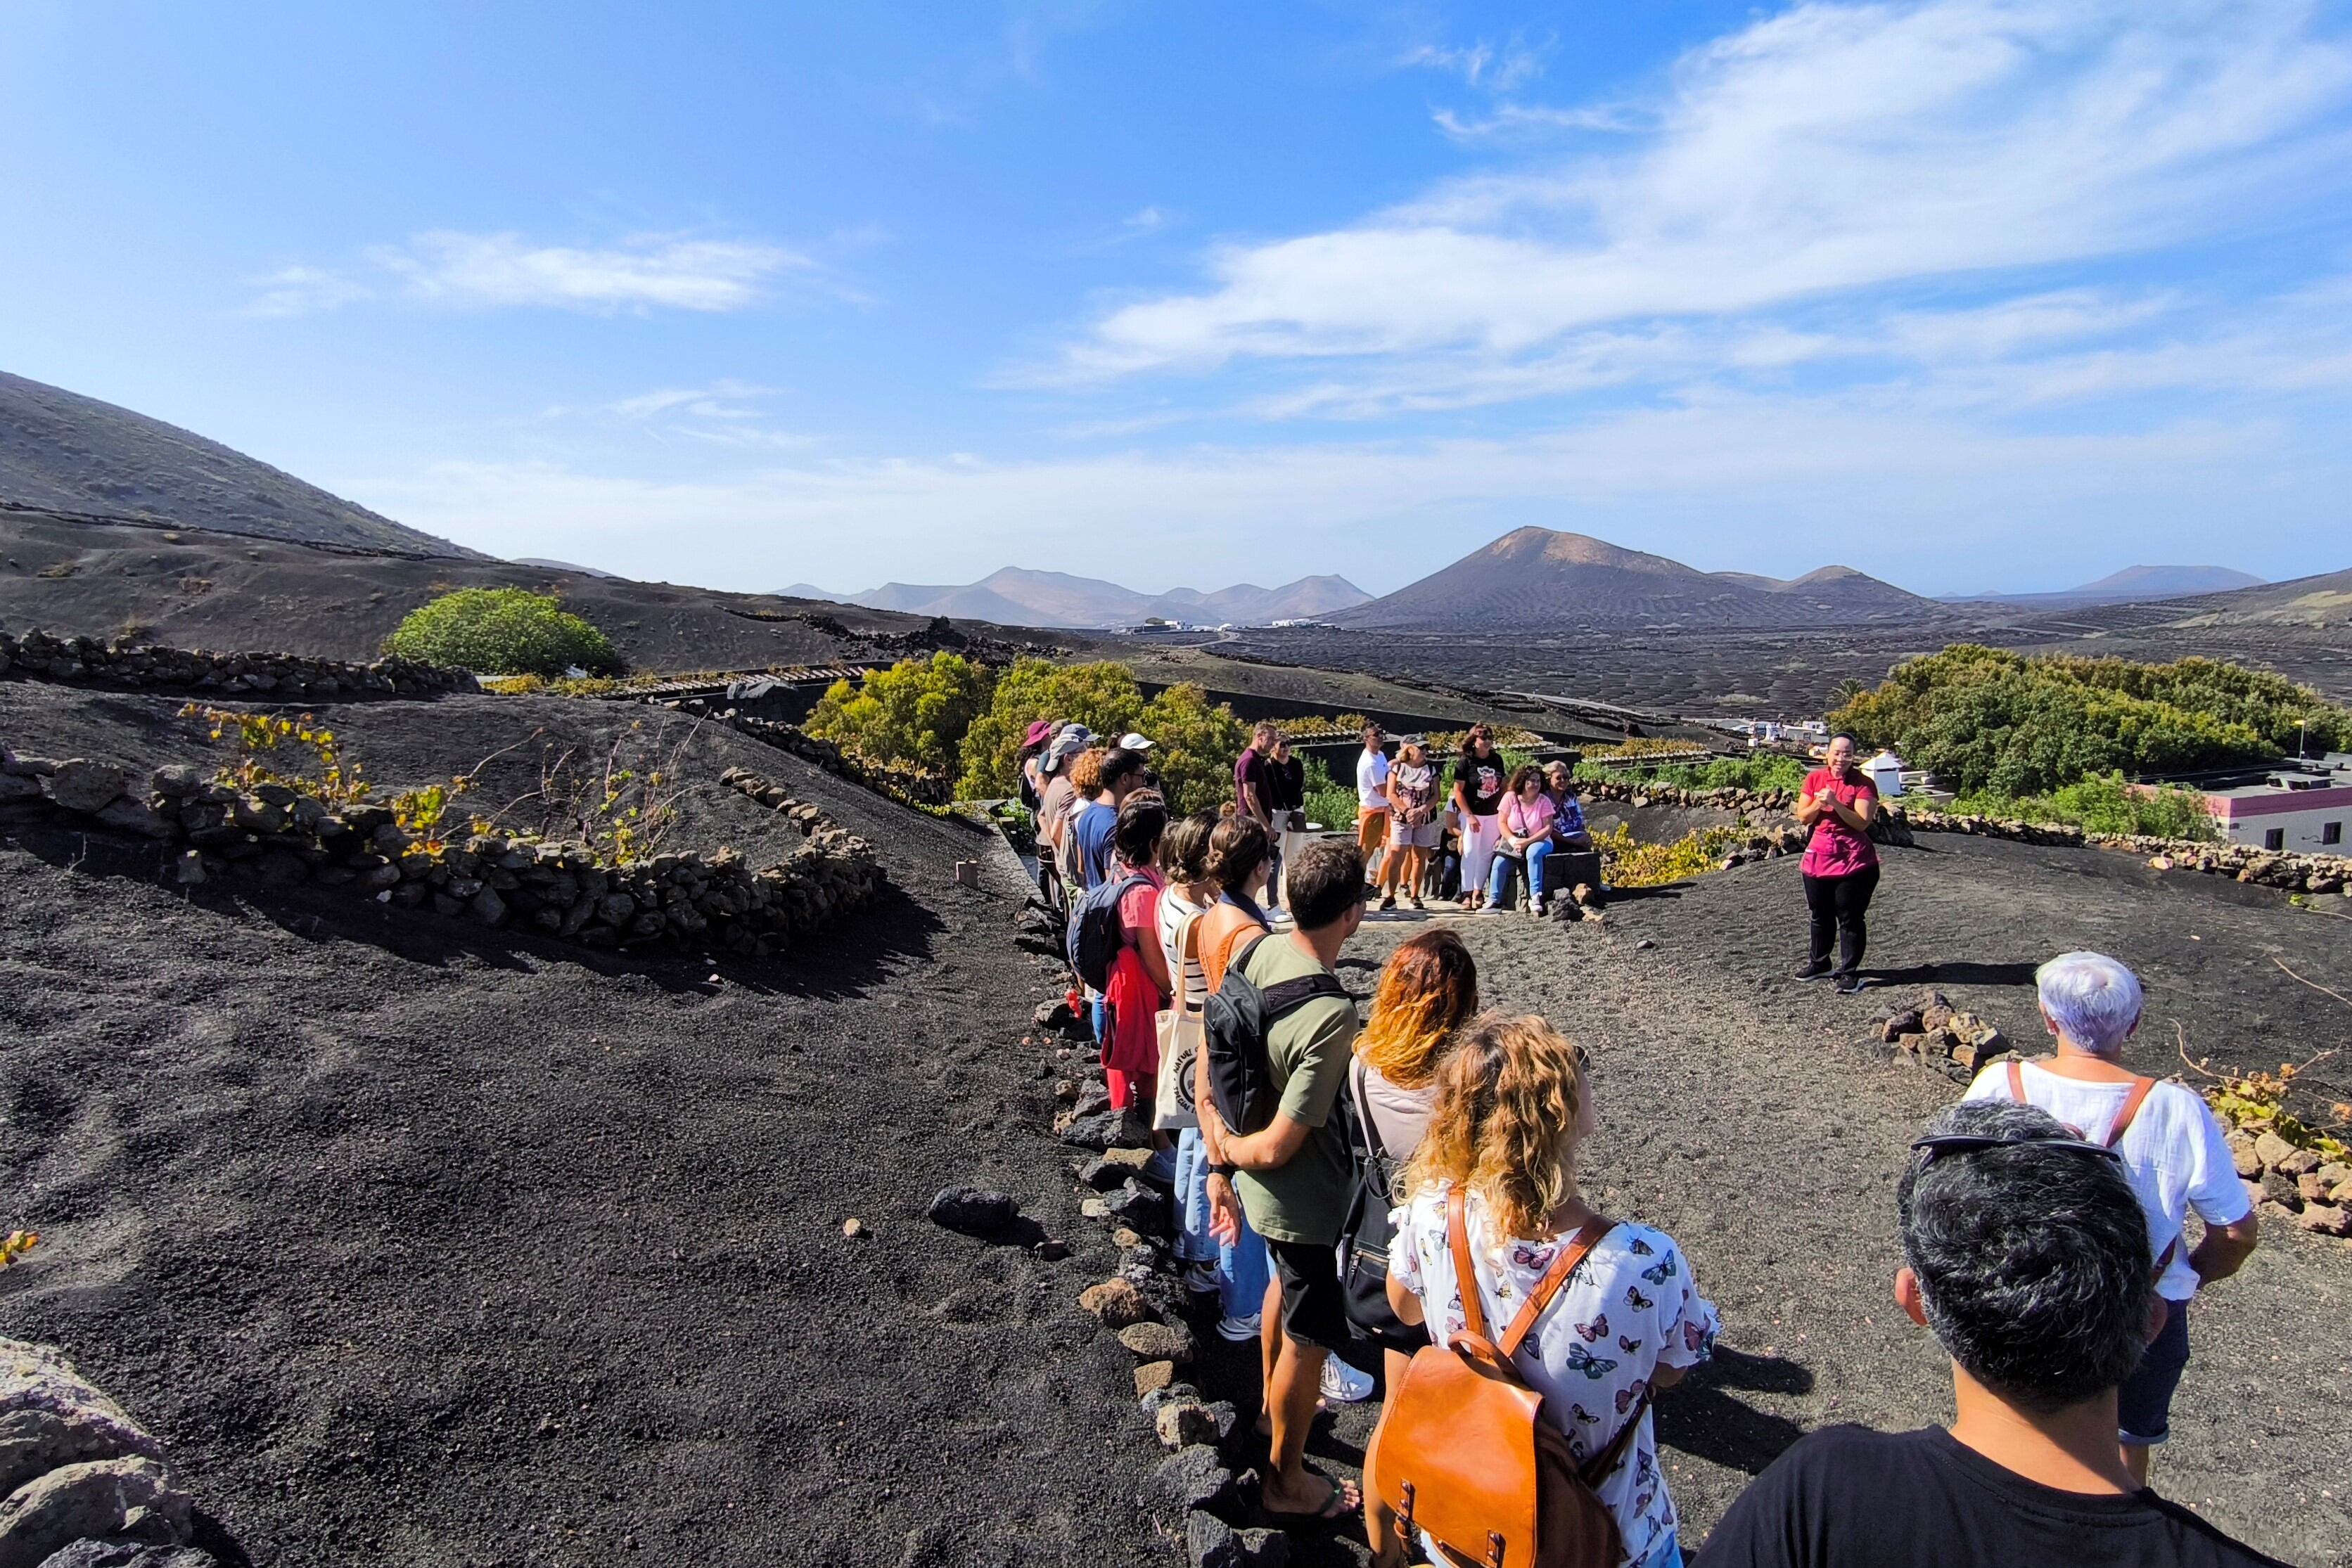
[(1225, 1171)]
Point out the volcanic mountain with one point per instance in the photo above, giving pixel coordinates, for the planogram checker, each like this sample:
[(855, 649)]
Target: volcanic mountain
[(1539, 579), (60, 451), (1019, 597)]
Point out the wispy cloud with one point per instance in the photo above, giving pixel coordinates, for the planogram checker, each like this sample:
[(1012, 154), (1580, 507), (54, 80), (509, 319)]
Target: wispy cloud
[(1496, 67), (490, 271), (720, 400), (300, 290), (456, 270), (1826, 148)]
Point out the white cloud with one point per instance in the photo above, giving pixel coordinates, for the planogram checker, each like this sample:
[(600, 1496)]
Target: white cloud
[(1828, 148), (720, 400), (1916, 492), (1495, 68), (490, 271), (494, 271), (301, 290)]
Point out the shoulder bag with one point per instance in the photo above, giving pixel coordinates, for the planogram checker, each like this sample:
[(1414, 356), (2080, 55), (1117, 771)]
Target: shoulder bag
[(1180, 1037)]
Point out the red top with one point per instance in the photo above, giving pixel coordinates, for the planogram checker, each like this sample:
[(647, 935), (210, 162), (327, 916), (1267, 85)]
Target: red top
[(1835, 849)]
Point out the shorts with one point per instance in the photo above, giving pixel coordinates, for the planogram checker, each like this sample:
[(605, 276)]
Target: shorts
[(1421, 837), (1372, 827), (1313, 1308), (2143, 1404)]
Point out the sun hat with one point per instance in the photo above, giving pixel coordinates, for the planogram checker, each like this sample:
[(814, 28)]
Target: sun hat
[(1039, 732), (1131, 741)]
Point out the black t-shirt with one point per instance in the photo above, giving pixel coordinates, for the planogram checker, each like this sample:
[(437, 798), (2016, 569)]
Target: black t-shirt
[(1482, 780), (1289, 779), (1847, 1497)]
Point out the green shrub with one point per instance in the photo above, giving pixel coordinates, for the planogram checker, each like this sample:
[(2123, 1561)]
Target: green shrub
[(1329, 802), (1764, 771), (501, 632), (2104, 804), (912, 714), (1195, 742), (1987, 721)]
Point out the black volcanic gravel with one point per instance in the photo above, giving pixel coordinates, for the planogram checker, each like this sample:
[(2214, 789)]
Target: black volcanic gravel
[(423, 1245)]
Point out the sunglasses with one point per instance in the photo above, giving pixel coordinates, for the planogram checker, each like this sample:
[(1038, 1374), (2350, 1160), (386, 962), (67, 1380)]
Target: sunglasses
[(1972, 1142)]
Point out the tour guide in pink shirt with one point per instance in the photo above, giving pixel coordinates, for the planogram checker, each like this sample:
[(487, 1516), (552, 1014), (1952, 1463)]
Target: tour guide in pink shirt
[(1840, 865)]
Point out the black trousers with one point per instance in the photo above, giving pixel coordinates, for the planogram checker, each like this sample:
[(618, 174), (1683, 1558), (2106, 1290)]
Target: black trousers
[(1838, 905)]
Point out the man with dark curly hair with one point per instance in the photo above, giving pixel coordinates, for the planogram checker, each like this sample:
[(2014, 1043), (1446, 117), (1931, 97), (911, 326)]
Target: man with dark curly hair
[(2026, 1253)]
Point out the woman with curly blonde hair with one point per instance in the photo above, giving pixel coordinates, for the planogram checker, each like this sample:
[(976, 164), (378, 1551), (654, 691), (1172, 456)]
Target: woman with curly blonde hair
[(1514, 1106), (1427, 990)]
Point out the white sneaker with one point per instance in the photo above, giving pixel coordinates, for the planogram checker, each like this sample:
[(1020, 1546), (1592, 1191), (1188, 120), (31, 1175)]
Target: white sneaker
[(1489, 909), (1241, 1331), (1343, 1384), (1536, 907), (1200, 1278)]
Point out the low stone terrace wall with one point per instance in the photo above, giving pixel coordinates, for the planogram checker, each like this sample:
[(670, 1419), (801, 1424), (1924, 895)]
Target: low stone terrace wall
[(274, 836), (290, 677)]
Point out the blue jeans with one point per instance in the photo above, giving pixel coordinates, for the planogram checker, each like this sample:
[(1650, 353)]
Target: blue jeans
[(1242, 1268), (1498, 881)]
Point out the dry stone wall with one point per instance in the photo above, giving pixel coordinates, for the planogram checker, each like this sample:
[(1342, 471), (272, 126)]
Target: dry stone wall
[(288, 677), (2272, 868), (274, 836)]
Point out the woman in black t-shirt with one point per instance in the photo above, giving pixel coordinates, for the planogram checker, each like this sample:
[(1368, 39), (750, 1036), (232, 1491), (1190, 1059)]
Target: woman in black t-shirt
[(1479, 788)]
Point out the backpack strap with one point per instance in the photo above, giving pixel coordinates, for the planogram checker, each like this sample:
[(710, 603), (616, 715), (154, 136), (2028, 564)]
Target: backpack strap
[(2134, 1099), (2017, 1081), (1457, 1235), (1596, 1469), (1554, 1277)]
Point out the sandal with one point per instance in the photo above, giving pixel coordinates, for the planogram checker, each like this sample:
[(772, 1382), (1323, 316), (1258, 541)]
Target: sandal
[(1336, 1506)]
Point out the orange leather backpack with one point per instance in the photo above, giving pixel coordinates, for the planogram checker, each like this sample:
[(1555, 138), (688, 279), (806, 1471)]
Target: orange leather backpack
[(1464, 1453)]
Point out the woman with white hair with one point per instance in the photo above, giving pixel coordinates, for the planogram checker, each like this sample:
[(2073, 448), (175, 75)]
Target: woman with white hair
[(2172, 1149)]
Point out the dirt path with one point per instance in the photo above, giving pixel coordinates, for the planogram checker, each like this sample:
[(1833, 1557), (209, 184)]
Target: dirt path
[(1740, 1113)]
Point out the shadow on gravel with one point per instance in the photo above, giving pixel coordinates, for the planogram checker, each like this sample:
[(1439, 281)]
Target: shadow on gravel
[(842, 963), (1955, 975), (1704, 1421)]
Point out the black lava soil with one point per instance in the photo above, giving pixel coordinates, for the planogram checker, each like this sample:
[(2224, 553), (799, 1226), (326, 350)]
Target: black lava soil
[(421, 1244)]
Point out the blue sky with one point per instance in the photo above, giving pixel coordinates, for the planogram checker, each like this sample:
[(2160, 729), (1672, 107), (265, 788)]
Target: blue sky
[(1969, 294)]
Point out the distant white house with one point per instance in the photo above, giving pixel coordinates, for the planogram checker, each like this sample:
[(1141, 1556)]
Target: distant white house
[(2299, 807)]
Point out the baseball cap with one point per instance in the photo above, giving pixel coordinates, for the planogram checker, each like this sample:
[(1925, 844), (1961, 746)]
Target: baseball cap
[(1131, 741)]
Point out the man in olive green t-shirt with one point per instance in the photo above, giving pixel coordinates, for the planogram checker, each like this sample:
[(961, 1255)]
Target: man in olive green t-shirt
[(1293, 1177)]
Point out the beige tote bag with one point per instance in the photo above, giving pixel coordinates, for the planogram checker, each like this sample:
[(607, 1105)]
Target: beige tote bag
[(1180, 1039)]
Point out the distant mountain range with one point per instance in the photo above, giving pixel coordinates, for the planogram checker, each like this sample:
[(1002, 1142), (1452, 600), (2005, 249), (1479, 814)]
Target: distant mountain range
[(1537, 578), (1019, 597), (2133, 585), (61, 450)]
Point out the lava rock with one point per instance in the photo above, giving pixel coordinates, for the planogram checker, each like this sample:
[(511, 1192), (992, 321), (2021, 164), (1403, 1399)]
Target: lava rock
[(50, 1417), (132, 1499), (1105, 1130), (1158, 1342), (1179, 1423), (1102, 1175), (1193, 1478), (1174, 1392), (1138, 1208), (1211, 1542), (1117, 1303), (2326, 1219), (974, 1211), (1153, 1376), (81, 785), (129, 1554)]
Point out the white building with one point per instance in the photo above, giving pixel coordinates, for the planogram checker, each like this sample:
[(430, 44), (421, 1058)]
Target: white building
[(2299, 807)]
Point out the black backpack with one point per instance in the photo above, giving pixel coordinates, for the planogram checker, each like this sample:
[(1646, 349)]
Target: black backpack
[(1233, 1026), (1094, 937), (1364, 1237)]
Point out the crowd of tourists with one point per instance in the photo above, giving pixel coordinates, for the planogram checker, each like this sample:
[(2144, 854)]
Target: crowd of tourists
[(1400, 1192)]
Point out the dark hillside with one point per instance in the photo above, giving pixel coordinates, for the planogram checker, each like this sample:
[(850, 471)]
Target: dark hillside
[(192, 588), (61, 449)]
